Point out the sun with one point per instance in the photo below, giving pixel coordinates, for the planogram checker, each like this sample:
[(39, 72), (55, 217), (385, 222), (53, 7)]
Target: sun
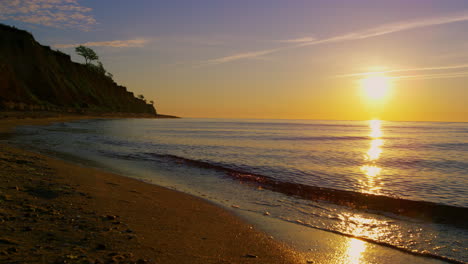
[(375, 87)]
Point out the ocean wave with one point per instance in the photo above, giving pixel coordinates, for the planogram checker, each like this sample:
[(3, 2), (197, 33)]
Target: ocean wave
[(421, 210)]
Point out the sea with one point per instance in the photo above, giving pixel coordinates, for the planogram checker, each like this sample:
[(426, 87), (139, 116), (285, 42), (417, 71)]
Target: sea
[(401, 185)]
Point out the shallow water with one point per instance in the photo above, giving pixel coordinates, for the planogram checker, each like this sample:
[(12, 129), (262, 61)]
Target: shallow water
[(329, 175)]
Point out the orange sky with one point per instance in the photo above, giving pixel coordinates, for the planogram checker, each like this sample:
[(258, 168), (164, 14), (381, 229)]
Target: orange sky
[(249, 59)]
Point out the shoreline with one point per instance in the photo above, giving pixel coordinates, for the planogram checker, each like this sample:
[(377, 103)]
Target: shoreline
[(53, 210), (323, 253)]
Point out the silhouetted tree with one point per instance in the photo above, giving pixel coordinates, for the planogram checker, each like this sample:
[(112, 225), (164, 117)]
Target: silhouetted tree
[(152, 102), (89, 56), (87, 53)]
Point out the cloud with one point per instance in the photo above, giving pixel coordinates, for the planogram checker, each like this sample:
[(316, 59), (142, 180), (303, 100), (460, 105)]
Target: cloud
[(51, 13), (432, 76), (297, 40), (356, 35), (434, 68), (393, 28), (239, 56), (138, 42), (443, 75)]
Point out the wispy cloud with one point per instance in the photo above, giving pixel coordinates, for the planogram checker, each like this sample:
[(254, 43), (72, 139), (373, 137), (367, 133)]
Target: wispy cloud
[(51, 13), (432, 76), (239, 56), (434, 68), (356, 35), (297, 40), (138, 42)]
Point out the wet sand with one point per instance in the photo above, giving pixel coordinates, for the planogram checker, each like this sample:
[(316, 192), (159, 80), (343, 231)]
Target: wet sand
[(53, 211)]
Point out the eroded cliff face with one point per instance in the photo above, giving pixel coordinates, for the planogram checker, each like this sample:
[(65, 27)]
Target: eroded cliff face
[(34, 77)]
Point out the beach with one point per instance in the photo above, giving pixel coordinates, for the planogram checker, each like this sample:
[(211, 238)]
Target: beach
[(57, 212), (71, 196)]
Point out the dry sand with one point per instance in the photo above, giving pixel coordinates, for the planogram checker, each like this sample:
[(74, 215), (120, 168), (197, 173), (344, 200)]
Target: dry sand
[(52, 211)]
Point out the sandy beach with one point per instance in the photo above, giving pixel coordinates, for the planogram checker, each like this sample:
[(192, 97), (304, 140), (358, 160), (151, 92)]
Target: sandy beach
[(57, 212)]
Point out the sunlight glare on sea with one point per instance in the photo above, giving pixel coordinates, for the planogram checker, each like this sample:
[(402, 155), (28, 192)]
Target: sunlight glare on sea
[(371, 183)]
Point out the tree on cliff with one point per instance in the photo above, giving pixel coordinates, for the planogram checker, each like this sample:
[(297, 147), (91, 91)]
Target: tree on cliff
[(88, 54)]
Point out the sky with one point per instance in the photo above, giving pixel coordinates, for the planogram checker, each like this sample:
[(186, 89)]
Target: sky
[(270, 59)]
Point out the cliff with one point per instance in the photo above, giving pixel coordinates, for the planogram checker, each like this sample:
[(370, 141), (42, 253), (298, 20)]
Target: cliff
[(34, 78)]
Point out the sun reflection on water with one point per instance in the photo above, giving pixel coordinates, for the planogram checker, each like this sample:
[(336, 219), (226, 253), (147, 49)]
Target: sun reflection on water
[(374, 152), (371, 172), (354, 251), (376, 128), (370, 169), (358, 226)]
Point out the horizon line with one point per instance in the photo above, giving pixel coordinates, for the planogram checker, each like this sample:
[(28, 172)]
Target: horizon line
[(314, 119)]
